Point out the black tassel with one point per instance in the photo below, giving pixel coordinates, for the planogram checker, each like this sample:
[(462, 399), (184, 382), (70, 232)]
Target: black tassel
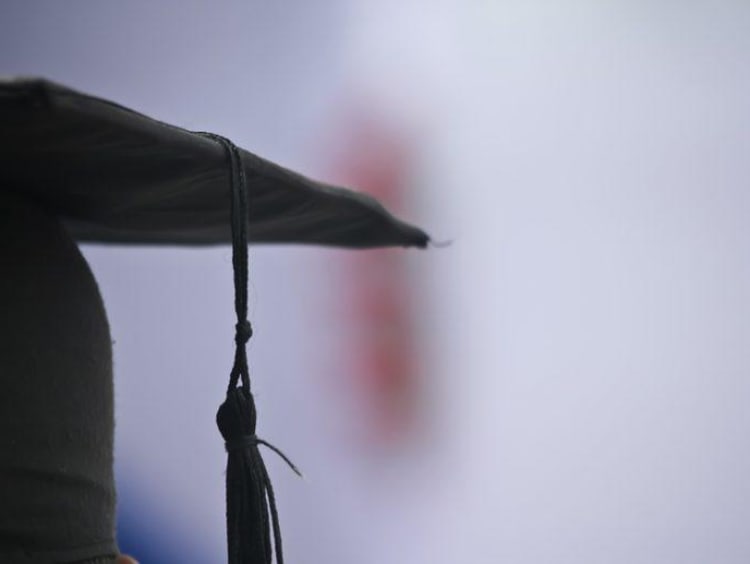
[(250, 497), (251, 504)]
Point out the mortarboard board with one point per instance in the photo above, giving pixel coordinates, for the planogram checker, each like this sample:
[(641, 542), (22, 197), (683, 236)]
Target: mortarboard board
[(76, 168)]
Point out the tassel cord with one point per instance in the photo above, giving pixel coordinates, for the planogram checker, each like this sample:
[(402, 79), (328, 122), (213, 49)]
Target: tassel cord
[(239, 220), (243, 329)]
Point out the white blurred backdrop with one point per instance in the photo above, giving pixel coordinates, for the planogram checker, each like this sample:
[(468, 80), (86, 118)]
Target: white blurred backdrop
[(571, 375)]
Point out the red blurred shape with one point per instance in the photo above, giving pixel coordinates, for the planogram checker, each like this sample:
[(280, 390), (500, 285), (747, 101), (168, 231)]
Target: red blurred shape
[(382, 355)]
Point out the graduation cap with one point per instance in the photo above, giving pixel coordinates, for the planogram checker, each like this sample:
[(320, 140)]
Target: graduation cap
[(74, 167)]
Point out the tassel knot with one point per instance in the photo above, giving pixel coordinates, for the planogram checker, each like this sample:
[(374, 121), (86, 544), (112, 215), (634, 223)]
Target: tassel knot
[(237, 417), (243, 332)]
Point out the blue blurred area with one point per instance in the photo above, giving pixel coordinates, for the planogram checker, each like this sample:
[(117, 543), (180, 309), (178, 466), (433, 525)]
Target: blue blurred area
[(146, 532)]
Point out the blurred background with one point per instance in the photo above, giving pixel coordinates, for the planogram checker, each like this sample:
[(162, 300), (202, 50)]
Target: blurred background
[(565, 383)]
